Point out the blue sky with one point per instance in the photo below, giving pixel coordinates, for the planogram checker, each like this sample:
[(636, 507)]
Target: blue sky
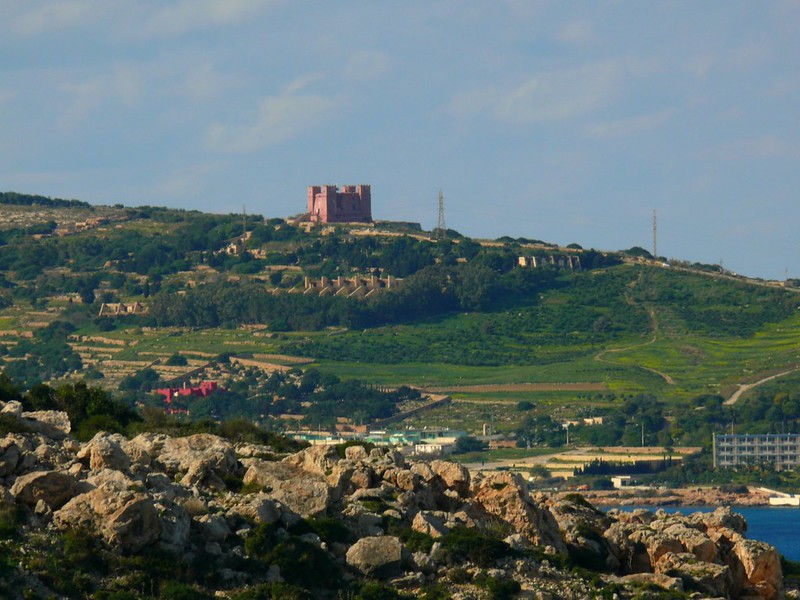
[(561, 121)]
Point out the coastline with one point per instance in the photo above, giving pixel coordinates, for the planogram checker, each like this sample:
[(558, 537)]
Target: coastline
[(691, 496)]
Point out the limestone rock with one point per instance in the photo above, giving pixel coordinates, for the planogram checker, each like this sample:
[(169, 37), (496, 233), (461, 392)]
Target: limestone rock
[(505, 495), (722, 518), (302, 492), (175, 526), (10, 455), (430, 523), (195, 457), (582, 527), (213, 527), (12, 407), (694, 541), (52, 487), (54, 424), (656, 544), (762, 567), (664, 581), (379, 556), (318, 460), (125, 519), (105, 451), (455, 477), (258, 508), (710, 578), (355, 453)]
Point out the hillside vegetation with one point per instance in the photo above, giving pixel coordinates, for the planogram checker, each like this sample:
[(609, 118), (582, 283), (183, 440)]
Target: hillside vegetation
[(460, 311)]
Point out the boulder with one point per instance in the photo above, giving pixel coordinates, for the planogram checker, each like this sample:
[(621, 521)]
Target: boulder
[(305, 493), (12, 407), (662, 581), (722, 519), (175, 526), (430, 523), (355, 453), (655, 543), (318, 460), (762, 567), (377, 556), (213, 527), (194, 457), (258, 508), (10, 455), (709, 578), (456, 477), (692, 540), (54, 424), (53, 487), (505, 496), (105, 451), (631, 557), (582, 527), (125, 519), (424, 471), (406, 480)]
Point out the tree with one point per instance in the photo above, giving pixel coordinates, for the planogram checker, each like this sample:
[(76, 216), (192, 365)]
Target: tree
[(468, 443)]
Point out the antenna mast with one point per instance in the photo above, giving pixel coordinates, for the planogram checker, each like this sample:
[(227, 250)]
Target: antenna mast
[(655, 252), (244, 221), (441, 227)]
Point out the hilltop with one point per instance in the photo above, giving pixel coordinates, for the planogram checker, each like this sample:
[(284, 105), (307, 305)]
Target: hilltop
[(292, 319)]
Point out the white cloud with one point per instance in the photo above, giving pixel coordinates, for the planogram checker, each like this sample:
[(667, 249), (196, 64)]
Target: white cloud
[(631, 125), (185, 182), (279, 118), (576, 32), (302, 82), (766, 146), (189, 15), (558, 95), (367, 65), (122, 85), (60, 14)]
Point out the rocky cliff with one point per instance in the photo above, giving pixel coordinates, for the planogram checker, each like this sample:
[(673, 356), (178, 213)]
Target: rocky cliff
[(227, 518)]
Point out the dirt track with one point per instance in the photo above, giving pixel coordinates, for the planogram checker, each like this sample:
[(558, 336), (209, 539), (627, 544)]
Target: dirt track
[(523, 387)]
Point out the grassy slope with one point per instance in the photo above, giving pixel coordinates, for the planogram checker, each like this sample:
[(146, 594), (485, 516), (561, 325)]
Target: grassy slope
[(711, 335)]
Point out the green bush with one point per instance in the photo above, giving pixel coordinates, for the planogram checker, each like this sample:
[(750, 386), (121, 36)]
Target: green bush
[(273, 591), (464, 544), (294, 557), (11, 517), (499, 588), (181, 591), (372, 590), (177, 360)]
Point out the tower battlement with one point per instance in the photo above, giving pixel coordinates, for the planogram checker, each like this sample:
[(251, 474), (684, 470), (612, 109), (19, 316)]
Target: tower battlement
[(327, 204)]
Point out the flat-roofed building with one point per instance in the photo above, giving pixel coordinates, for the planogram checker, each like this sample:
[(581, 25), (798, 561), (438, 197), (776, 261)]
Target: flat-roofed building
[(781, 450)]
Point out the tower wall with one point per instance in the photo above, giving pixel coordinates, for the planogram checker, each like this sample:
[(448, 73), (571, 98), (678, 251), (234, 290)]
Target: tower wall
[(326, 204)]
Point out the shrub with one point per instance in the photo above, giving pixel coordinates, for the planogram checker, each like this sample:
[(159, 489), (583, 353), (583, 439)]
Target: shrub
[(372, 590), (470, 544), (177, 360), (273, 591), (11, 516), (499, 588), (180, 591)]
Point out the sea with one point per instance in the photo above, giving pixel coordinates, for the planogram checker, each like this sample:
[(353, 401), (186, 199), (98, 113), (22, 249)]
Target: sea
[(778, 526)]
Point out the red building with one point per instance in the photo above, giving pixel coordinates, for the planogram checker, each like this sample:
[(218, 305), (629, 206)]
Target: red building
[(326, 204), (203, 390)]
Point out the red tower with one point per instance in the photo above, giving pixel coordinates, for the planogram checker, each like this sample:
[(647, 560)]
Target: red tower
[(326, 204)]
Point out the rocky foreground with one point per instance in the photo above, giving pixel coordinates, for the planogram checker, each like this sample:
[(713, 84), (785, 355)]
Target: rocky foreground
[(320, 523)]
